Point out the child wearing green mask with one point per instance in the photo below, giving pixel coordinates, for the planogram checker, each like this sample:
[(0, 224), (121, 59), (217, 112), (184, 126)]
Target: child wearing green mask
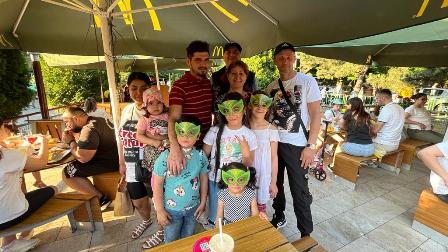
[(266, 158), (180, 200), (237, 199), (228, 142)]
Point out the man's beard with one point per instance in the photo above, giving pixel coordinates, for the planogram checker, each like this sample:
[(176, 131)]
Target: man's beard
[(201, 72), (76, 129)]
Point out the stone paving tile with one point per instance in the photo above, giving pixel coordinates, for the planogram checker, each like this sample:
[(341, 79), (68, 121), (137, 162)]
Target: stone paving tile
[(380, 210), (395, 236), (349, 226), (403, 197), (431, 246), (362, 244), (325, 239), (74, 243)]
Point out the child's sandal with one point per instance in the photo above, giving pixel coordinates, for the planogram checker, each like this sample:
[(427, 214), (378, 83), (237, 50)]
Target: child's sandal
[(140, 229), (154, 240)]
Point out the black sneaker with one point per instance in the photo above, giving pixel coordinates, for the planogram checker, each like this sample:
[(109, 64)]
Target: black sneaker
[(104, 202), (278, 220)]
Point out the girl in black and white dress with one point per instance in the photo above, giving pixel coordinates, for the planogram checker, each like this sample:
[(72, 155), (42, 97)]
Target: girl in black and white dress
[(237, 199)]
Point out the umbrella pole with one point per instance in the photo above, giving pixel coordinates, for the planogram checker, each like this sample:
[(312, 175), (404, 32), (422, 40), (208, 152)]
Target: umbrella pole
[(106, 34), (157, 73)]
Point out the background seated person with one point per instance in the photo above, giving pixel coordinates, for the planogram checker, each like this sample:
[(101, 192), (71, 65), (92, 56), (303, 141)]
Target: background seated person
[(356, 122), (334, 114), (95, 151), (389, 123), (435, 158), (419, 120), (16, 206)]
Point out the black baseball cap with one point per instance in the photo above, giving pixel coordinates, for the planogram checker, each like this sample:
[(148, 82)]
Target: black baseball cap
[(283, 46), (233, 44)]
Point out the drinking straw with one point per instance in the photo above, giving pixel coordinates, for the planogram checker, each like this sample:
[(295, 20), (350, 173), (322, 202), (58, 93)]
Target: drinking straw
[(220, 231)]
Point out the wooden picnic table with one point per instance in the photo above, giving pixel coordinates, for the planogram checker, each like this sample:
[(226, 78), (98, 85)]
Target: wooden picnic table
[(252, 234)]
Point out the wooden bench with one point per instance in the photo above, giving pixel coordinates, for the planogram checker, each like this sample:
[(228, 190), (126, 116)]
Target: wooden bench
[(107, 183), (431, 217), (346, 167), (307, 244), (53, 209), (410, 147), (82, 214)]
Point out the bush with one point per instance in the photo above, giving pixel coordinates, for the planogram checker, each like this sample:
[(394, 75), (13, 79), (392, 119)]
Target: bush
[(14, 82), (66, 86)]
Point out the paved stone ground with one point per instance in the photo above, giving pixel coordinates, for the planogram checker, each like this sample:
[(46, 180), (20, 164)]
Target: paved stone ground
[(375, 217)]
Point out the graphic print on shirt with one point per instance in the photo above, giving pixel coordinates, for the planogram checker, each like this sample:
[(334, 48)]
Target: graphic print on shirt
[(131, 146), (194, 183), (161, 126), (283, 116), (230, 150), (179, 191), (171, 203)]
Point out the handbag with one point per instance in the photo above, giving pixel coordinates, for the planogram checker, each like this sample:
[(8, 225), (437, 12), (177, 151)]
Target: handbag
[(298, 120), (122, 203)]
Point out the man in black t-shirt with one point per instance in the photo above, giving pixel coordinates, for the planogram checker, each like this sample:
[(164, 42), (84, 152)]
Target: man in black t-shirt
[(94, 149)]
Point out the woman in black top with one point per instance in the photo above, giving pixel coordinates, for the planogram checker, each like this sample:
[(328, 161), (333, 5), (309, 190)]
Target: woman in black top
[(356, 121)]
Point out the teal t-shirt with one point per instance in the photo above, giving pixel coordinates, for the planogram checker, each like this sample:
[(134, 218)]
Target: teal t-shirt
[(182, 192)]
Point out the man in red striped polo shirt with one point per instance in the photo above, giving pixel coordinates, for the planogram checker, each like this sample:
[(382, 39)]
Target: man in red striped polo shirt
[(190, 95)]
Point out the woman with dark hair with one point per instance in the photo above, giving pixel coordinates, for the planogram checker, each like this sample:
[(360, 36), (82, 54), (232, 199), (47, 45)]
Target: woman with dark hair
[(356, 121), (15, 205), (237, 73), (130, 150), (92, 110), (418, 119)]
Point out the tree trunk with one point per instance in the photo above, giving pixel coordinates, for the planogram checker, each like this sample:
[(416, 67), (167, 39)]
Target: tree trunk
[(361, 79)]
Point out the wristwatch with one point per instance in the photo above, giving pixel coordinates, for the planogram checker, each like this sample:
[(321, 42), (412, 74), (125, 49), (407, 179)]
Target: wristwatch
[(311, 146)]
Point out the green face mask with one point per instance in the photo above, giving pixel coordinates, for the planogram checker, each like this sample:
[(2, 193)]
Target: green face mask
[(231, 107), (187, 130), (260, 100), (235, 177)]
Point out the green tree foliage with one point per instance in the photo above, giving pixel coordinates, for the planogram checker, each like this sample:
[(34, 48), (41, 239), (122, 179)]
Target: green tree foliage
[(264, 68), (14, 82), (394, 79), (66, 86), (426, 77)]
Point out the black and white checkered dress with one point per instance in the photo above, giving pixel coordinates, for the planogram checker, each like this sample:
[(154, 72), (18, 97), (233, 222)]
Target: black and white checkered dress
[(236, 208)]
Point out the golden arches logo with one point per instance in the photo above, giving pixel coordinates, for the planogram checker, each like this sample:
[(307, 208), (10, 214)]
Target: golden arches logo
[(218, 51), (424, 5), (125, 6)]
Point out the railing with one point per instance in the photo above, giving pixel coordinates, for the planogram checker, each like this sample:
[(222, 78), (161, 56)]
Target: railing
[(22, 121), (326, 100)]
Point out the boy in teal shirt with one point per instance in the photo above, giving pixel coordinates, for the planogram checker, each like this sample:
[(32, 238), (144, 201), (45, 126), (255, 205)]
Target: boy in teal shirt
[(180, 199)]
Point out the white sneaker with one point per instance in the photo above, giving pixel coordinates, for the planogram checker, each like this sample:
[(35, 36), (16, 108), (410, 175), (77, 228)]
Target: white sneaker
[(20, 245)]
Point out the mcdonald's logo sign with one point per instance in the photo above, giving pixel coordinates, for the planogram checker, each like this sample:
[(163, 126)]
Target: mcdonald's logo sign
[(425, 4), (218, 51)]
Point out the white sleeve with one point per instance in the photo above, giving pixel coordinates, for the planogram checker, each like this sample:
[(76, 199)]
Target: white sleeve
[(125, 114), (251, 140), (384, 115), (313, 93), (15, 160), (443, 147), (273, 135), (410, 110), (210, 137)]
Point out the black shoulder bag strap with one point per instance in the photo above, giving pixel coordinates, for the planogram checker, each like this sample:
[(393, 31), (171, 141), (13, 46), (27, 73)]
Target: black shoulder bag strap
[(294, 109)]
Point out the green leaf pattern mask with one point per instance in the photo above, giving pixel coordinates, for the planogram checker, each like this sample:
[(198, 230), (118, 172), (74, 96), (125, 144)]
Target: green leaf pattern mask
[(231, 107), (236, 177), (260, 100), (187, 130)]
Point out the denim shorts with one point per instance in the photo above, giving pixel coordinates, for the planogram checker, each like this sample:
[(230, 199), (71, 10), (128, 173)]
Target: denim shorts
[(359, 150), (182, 224)]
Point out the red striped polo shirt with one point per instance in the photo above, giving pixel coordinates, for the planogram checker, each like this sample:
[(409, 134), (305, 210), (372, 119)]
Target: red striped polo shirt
[(195, 97)]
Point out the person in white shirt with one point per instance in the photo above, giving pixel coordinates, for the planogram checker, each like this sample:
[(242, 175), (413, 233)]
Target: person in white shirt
[(418, 119), (15, 206), (435, 157), (296, 148), (390, 122), (92, 110)]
